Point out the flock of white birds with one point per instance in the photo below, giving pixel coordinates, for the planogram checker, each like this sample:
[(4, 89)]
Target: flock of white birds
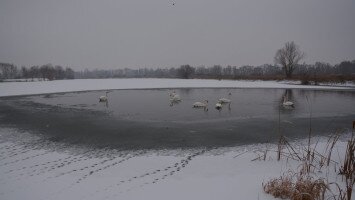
[(175, 98)]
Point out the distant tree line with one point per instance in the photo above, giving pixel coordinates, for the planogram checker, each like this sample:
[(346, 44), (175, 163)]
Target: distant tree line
[(286, 65), (318, 72), (342, 71), (44, 72)]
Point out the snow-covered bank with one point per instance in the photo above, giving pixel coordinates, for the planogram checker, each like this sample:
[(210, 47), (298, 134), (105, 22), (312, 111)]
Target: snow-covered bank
[(27, 172), (43, 87)]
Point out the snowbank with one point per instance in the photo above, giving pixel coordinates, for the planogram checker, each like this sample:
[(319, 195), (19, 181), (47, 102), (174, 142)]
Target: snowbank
[(209, 174), (43, 87)]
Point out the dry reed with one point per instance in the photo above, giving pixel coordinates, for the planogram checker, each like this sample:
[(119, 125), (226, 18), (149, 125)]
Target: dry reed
[(296, 187), (348, 167), (302, 185)]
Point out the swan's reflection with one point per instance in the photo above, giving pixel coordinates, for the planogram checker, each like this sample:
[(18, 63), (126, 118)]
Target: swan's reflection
[(174, 102), (105, 103)]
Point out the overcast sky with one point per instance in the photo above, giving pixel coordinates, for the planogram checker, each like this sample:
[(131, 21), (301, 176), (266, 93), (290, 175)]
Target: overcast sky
[(156, 33)]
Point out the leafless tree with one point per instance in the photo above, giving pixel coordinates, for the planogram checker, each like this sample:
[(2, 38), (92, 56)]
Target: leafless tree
[(34, 72), (7, 71), (216, 71), (47, 71), (288, 57), (185, 71), (69, 73), (59, 72), (24, 72)]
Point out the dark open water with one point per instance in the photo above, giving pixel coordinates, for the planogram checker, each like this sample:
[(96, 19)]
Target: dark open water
[(145, 119)]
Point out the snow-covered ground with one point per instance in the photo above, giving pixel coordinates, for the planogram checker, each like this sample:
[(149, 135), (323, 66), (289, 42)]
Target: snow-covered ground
[(42, 87), (222, 173)]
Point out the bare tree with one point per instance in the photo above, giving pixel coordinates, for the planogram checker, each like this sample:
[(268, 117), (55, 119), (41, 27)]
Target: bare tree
[(34, 72), (59, 72), (25, 72), (216, 71), (288, 57), (47, 71), (69, 73), (8, 70), (185, 71)]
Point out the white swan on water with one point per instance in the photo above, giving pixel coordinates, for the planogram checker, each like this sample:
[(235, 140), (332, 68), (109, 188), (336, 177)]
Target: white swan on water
[(174, 97), (287, 103), (200, 104), (103, 98), (224, 100)]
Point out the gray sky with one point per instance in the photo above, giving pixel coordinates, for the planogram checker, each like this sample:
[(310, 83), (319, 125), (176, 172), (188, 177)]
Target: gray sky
[(155, 33)]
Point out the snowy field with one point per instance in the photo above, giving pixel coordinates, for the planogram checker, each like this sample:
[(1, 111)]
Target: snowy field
[(42, 87), (209, 174), (33, 169)]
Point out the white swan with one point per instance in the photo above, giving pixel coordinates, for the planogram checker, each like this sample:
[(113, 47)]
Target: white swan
[(287, 103), (200, 104), (174, 97), (224, 100), (103, 98)]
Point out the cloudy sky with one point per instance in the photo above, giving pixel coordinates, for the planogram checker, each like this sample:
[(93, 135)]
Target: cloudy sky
[(156, 33)]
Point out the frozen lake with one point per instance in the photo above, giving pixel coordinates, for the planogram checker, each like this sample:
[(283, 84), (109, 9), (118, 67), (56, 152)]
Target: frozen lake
[(146, 119), (140, 146)]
